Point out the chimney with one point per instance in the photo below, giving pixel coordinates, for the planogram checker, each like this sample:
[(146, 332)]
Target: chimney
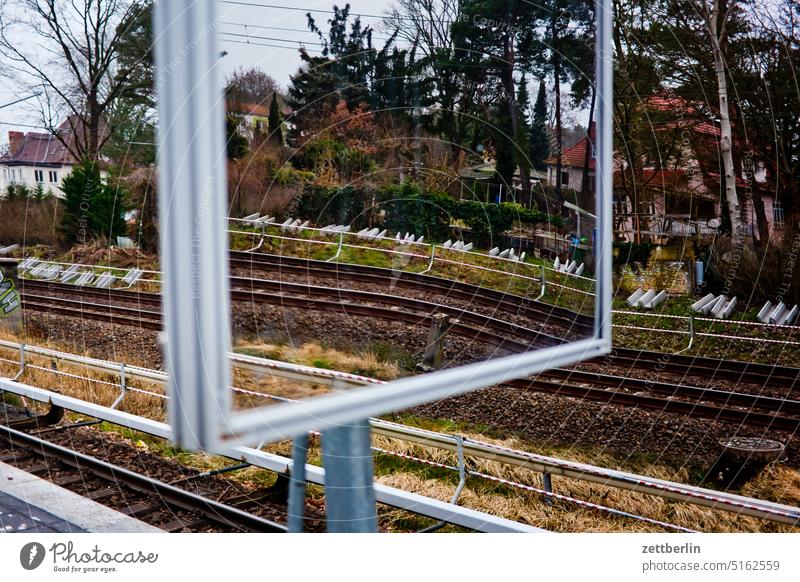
[(15, 141)]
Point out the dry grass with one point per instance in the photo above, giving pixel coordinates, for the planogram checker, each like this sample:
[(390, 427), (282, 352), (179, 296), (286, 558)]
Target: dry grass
[(79, 382), (777, 483), (312, 354), (30, 222)]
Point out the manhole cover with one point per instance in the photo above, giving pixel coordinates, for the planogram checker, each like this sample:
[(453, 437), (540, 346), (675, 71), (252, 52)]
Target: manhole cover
[(752, 449)]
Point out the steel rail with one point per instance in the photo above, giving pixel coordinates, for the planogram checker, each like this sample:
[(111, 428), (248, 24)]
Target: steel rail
[(674, 363), (679, 363), (415, 503), (173, 496), (609, 477), (493, 298), (498, 338), (699, 365), (743, 399)]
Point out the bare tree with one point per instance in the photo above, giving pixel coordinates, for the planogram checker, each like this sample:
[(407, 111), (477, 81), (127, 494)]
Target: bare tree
[(717, 17), (67, 51), (251, 85)]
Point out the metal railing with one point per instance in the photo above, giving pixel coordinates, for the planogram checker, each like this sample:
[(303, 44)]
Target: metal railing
[(343, 380)]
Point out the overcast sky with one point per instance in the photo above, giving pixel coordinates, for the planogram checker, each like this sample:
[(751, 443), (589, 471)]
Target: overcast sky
[(239, 24)]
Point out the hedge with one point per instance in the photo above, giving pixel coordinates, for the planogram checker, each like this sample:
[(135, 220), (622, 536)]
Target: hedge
[(404, 208)]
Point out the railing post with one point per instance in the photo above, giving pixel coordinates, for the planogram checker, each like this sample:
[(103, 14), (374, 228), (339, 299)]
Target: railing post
[(541, 293), (338, 249), (433, 257), (123, 387), (349, 490), (691, 335), (297, 484), (547, 481)]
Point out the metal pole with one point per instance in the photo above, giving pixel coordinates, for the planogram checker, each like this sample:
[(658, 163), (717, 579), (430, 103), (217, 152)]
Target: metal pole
[(541, 293), (193, 208), (547, 481), (338, 248), (349, 490), (604, 176), (297, 484)]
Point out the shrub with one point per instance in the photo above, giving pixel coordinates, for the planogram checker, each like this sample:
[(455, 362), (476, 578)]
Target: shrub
[(30, 222), (17, 191), (325, 205), (407, 210), (486, 220), (631, 252), (92, 208)]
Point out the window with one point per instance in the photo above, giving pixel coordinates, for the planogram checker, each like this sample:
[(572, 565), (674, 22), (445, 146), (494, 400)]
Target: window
[(38, 175), (777, 214), (564, 178), (53, 176)]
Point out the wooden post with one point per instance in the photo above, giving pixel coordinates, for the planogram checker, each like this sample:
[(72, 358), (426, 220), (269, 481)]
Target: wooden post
[(434, 349)]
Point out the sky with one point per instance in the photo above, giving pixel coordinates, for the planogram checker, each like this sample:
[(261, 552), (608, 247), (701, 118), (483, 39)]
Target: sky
[(242, 24), (239, 25), (244, 29)]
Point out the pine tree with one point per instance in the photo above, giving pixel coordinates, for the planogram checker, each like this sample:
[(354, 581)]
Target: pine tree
[(235, 142), (92, 208), (539, 146), (275, 130), (521, 152), (503, 138)]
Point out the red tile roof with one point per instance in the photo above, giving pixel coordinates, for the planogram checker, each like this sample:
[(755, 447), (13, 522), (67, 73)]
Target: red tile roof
[(576, 155), (37, 149), (245, 108)]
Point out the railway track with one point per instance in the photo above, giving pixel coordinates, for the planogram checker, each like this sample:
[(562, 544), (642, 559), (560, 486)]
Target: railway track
[(492, 298), (742, 408), (508, 302), (153, 501)]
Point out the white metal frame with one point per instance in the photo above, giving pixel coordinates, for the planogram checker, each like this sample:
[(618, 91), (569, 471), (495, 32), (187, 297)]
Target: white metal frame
[(192, 197)]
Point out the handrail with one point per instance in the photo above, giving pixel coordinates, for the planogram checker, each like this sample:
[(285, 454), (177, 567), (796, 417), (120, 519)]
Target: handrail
[(477, 449)]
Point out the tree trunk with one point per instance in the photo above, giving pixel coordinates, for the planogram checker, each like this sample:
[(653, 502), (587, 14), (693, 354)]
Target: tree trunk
[(511, 102), (557, 88), (726, 135), (588, 154)]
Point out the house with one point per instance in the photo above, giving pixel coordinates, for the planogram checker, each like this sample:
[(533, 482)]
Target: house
[(254, 118), (681, 195), (35, 159), (573, 161)]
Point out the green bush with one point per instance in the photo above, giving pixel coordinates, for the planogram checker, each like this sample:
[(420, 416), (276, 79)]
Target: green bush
[(486, 221), (408, 210), (17, 191), (91, 207), (288, 176), (323, 205), (631, 252)]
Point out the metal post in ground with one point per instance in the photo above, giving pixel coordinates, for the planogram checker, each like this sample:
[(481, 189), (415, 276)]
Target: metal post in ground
[(349, 490), (547, 481), (297, 485)]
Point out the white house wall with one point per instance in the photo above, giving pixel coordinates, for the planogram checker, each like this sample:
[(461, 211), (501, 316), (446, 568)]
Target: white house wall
[(29, 178)]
